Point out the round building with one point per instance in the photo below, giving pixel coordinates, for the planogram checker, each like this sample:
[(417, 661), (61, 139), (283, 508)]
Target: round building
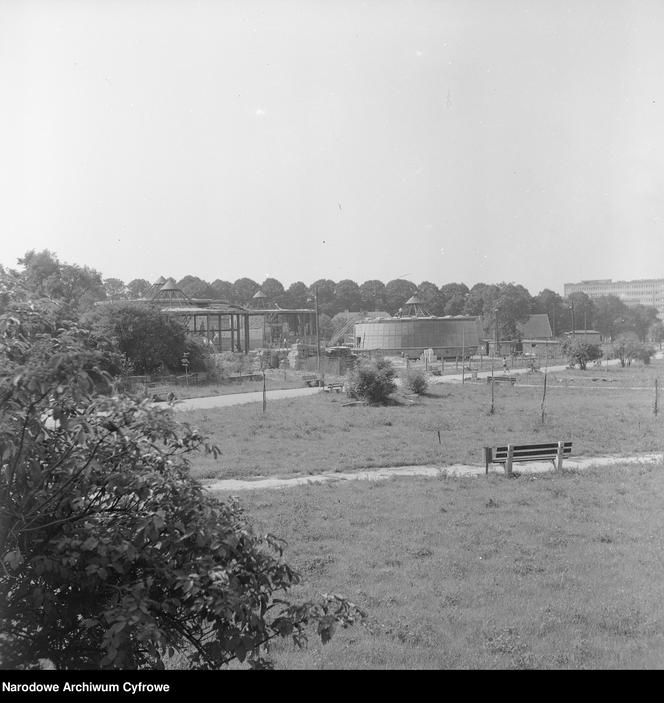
[(449, 336)]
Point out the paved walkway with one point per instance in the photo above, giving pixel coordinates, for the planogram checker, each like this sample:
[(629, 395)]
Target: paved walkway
[(455, 470)]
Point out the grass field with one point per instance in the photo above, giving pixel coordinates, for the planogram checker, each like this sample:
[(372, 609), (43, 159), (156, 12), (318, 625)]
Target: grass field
[(553, 571), (316, 434)]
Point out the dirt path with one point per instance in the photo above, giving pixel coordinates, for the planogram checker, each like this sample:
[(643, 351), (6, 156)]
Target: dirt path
[(455, 470), (223, 401)]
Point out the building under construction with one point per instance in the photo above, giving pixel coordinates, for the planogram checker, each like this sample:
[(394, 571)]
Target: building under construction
[(412, 331), (229, 327)]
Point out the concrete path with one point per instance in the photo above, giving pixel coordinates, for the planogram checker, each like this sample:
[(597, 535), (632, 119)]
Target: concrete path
[(455, 470)]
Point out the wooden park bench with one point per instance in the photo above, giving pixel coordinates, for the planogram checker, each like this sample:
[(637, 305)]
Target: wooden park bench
[(311, 379), (507, 454), (501, 379), (338, 387)]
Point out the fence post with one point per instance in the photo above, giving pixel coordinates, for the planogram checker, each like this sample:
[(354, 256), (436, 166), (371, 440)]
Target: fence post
[(561, 453), (264, 394), (656, 394), (544, 396), (510, 456)]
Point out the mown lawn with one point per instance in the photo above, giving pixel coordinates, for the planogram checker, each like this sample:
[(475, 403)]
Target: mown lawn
[(552, 571), (317, 434)]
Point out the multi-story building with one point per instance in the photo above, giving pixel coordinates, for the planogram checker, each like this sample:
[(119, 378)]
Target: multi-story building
[(648, 291)]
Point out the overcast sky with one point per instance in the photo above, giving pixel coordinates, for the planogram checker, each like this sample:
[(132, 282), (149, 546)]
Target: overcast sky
[(459, 140)]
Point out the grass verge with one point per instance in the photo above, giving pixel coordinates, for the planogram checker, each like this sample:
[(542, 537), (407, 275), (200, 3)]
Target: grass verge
[(317, 434), (553, 571)]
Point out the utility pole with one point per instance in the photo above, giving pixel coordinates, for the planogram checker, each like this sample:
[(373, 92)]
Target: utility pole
[(317, 336), (496, 343), (585, 323)]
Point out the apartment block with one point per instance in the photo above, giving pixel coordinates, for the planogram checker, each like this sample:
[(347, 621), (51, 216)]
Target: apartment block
[(648, 291)]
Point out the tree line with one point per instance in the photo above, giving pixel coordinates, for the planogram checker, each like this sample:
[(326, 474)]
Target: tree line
[(501, 305)]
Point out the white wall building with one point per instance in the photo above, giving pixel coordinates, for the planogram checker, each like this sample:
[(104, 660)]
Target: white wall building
[(649, 291)]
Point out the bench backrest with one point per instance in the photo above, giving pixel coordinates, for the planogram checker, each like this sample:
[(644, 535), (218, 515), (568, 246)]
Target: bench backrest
[(526, 452)]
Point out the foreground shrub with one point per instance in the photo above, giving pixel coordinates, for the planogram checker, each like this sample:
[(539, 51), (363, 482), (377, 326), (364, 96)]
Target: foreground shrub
[(415, 381), (645, 353), (580, 353), (628, 349), (150, 341), (372, 381), (112, 556)]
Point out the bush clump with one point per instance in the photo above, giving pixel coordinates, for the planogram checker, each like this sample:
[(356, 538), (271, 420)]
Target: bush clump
[(372, 381), (581, 353), (112, 556), (415, 381)]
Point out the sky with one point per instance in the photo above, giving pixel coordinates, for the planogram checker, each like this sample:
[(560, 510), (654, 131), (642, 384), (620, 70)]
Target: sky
[(459, 140)]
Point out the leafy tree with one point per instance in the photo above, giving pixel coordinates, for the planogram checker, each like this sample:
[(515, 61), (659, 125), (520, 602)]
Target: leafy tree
[(455, 304), (397, 293), (580, 353), (244, 290), (449, 290), (584, 310), (638, 319), (115, 289), (514, 304), (372, 295), (626, 348), (550, 303), (77, 287), (372, 381), (656, 332), (149, 340), (222, 290), (327, 303), (609, 310), (326, 326), (41, 271), (433, 300), (348, 296), (477, 298), (415, 381), (505, 305), (645, 353), (112, 556), (274, 290), (195, 287), (296, 297), (138, 288)]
